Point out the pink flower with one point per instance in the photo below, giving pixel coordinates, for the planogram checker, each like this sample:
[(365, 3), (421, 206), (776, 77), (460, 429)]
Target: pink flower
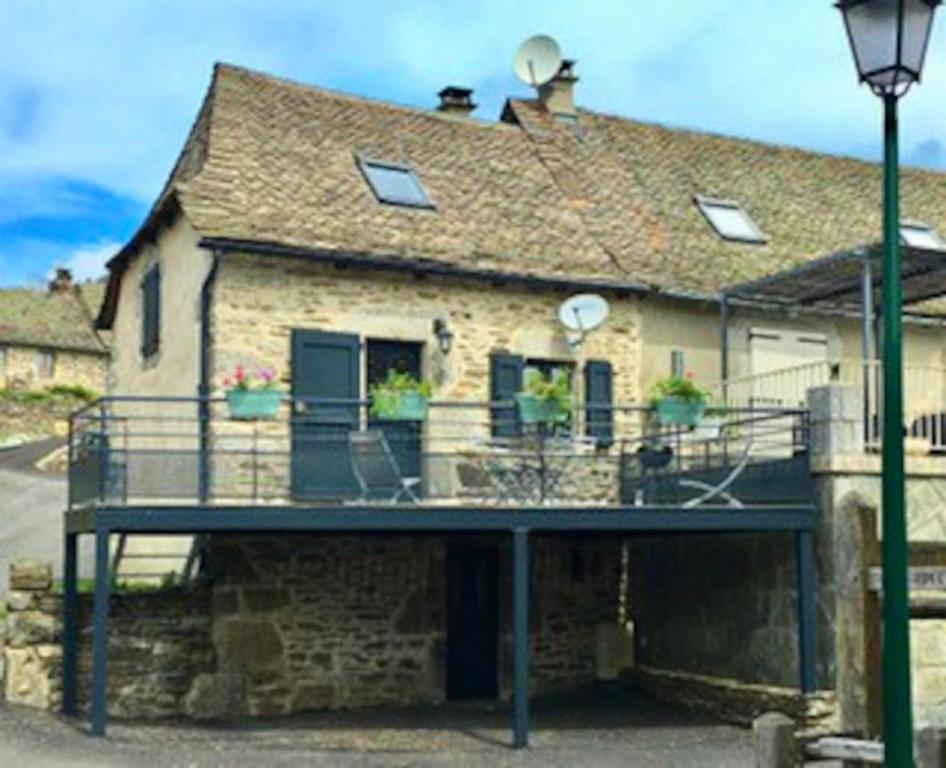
[(228, 382), (267, 374), (240, 374)]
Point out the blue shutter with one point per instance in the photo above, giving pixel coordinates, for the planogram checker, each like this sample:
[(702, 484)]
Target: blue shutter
[(151, 312), (599, 399), (505, 380)]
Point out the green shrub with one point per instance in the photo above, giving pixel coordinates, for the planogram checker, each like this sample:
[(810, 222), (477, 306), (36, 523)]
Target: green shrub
[(677, 386)]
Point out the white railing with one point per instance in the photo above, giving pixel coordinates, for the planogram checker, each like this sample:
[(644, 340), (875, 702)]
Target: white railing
[(924, 396)]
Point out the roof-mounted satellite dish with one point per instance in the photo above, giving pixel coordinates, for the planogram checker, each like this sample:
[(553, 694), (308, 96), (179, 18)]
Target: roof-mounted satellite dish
[(537, 61), (582, 314)]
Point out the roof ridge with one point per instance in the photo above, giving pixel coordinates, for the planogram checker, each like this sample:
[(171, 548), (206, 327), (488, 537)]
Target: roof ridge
[(332, 93), (747, 140)]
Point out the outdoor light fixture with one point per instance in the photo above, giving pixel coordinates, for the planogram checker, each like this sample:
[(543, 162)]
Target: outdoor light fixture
[(889, 40), (444, 335)]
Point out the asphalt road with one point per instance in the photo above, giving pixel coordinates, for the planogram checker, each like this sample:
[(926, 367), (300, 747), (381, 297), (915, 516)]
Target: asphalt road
[(31, 507)]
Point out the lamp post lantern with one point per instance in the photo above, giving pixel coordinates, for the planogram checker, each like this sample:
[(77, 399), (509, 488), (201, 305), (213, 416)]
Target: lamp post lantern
[(889, 39)]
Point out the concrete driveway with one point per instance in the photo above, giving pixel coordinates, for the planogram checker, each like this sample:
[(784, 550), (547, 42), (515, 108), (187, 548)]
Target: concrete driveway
[(603, 726), (31, 507)]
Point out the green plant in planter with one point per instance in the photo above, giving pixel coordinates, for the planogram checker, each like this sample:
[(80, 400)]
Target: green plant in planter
[(678, 401), (400, 397), (252, 395), (545, 400)]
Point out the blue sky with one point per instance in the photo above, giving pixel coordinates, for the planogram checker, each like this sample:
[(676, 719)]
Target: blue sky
[(97, 97)]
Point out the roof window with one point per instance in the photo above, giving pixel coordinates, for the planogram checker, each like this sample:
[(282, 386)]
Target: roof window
[(915, 234), (394, 184), (730, 220)]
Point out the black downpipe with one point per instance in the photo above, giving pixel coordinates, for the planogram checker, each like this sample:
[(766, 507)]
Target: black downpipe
[(204, 388)]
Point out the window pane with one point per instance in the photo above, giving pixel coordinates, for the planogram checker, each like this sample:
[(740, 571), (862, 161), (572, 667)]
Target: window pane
[(921, 236), (392, 184), (730, 221)]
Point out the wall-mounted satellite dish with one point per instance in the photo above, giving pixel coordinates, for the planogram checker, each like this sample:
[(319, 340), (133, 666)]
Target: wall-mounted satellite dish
[(582, 314), (537, 61)]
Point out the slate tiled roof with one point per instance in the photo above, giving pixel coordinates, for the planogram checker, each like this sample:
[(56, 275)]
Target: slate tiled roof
[(39, 318), (607, 198)]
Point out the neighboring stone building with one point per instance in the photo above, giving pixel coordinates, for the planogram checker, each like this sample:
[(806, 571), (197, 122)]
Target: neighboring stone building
[(48, 337), (333, 238)]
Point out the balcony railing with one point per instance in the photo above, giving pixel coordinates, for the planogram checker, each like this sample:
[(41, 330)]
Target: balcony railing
[(924, 393), (179, 450)]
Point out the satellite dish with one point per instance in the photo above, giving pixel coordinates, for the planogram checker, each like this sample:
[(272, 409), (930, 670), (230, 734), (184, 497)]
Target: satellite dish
[(537, 61), (583, 312)]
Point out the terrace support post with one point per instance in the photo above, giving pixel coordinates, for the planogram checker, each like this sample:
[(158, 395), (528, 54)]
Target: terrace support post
[(520, 581), (724, 346), (100, 634), (805, 567), (868, 344), (70, 625)]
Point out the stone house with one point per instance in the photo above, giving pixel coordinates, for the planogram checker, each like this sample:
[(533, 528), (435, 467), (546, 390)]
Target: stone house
[(49, 337), (333, 238)]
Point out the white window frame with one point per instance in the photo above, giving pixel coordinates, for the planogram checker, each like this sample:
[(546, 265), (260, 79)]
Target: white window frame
[(704, 204), (926, 229), (365, 164)]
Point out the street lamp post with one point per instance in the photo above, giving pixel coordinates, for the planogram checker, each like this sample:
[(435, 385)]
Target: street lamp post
[(889, 40)]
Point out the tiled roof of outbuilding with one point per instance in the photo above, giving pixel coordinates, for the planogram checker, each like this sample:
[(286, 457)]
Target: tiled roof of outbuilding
[(52, 320), (605, 199)]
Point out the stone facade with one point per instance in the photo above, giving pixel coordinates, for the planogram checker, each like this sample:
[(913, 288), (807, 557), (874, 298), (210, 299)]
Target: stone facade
[(258, 301), (316, 622), (20, 369), (158, 643)]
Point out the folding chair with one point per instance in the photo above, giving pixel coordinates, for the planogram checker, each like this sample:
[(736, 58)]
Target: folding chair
[(377, 470)]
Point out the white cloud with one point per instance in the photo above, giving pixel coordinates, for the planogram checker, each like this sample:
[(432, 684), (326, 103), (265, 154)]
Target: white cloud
[(88, 262)]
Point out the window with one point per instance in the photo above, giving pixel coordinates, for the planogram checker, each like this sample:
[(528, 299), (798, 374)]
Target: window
[(151, 312), (918, 235), (395, 184), (730, 220), (44, 364)]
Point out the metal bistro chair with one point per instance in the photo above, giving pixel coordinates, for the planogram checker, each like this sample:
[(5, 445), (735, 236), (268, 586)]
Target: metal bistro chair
[(377, 470)]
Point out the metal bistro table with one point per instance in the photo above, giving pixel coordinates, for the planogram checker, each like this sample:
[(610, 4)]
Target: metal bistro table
[(534, 467)]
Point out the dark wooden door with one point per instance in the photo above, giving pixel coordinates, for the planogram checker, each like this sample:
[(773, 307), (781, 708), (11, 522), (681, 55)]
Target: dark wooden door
[(324, 365), (404, 437), (472, 621)]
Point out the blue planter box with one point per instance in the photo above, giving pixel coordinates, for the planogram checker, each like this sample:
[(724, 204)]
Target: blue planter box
[(246, 405), (400, 406), (680, 412), (533, 410)]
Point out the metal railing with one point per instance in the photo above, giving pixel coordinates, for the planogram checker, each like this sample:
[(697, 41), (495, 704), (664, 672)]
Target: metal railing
[(186, 450), (924, 390)]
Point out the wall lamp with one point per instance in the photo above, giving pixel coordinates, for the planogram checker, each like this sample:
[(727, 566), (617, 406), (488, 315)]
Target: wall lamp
[(444, 335)]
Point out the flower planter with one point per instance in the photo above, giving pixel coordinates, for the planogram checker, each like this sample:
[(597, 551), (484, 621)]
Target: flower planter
[(400, 406), (680, 412), (249, 404), (534, 410)]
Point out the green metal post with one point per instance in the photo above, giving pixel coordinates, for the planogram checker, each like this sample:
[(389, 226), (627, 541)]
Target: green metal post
[(898, 720)]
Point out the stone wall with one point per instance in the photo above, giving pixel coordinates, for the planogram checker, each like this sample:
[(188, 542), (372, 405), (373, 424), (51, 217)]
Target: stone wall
[(19, 371), (314, 622), (718, 604), (158, 643)]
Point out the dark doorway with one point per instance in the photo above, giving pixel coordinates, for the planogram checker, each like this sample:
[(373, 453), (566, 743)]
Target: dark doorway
[(404, 437), (472, 620), (324, 365)]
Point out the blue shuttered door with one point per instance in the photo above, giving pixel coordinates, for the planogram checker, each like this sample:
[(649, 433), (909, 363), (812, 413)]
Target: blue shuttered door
[(324, 365), (505, 380), (599, 399)]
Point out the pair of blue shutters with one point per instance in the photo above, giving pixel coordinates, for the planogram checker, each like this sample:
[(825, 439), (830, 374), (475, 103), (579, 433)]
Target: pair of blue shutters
[(505, 380)]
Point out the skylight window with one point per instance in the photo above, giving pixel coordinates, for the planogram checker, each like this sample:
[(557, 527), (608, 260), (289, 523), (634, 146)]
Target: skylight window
[(730, 220), (395, 184), (918, 235)]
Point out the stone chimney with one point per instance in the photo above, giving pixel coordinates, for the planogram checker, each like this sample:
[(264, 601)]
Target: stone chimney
[(558, 95), (61, 281), (456, 101)]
